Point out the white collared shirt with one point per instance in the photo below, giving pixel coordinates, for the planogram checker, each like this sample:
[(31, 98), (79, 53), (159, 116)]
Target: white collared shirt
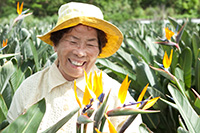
[(60, 99)]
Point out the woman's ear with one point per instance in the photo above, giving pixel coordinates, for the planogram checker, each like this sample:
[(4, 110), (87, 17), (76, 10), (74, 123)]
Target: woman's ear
[(55, 48)]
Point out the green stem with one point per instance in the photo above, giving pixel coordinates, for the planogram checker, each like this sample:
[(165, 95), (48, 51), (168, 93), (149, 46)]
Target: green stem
[(85, 128), (177, 83), (179, 86), (78, 128)]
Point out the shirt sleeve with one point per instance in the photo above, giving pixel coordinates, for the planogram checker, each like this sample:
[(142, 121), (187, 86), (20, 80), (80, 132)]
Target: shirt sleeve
[(24, 97), (16, 107)]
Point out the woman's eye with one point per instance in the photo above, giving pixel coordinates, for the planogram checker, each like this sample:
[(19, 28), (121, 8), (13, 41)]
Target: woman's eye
[(91, 45), (72, 42)]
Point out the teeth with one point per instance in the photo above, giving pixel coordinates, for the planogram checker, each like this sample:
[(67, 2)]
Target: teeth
[(76, 63)]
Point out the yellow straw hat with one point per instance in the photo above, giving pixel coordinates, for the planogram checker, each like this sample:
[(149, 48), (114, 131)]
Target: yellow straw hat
[(73, 13)]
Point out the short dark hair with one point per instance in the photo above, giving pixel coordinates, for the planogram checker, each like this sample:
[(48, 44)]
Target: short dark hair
[(56, 36)]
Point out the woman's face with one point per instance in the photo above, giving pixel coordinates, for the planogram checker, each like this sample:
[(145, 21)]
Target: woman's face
[(77, 51)]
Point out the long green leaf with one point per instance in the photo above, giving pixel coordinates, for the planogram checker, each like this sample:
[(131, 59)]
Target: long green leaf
[(190, 117), (115, 67), (35, 56), (28, 122), (186, 63), (83, 119), (145, 74), (139, 50), (6, 71), (169, 103), (195, 45), (127, 59), (154, 49), (3, 108), (25, 47), (120, 111), (18, 76), (197, 73), (3, 56), (181, 130), (59, 124)]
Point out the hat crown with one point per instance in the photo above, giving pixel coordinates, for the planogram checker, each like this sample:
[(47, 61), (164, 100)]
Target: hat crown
[(75, 9)]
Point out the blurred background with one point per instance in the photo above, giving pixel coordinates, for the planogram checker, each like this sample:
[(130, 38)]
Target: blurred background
[(115, 10)]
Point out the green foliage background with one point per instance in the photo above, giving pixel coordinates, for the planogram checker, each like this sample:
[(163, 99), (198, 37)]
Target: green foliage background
[(118, 10), (25, 54)]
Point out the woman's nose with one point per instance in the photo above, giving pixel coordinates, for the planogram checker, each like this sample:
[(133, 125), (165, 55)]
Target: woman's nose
[(80, 51)]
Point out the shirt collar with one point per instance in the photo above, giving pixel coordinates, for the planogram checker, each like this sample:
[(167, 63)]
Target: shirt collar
[(55, 77)]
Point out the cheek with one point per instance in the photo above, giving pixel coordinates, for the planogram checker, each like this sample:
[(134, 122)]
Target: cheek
[(94, 55)]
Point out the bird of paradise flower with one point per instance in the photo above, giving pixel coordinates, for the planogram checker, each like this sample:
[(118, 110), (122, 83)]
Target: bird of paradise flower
[(4, 44), (169, 34), (166, 63), (21, 14)]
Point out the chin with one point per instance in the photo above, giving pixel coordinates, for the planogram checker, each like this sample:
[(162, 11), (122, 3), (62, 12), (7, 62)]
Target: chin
[(80, 74)]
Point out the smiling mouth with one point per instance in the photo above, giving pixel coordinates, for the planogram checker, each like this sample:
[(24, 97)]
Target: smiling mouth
[(75, 63)]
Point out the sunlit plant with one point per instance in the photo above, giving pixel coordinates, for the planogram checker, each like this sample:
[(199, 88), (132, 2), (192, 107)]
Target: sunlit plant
[(170, 34), (21, 14)]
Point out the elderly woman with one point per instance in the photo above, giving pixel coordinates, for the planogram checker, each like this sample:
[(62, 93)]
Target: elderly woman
[(80, 36)]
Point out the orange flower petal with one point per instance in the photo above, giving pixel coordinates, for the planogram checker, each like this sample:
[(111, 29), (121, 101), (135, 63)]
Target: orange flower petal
[(5, 43), (167, 61), (170, 57), (97, 130), (87, 96), (21, 7), (77, 99), (97, 84), (168, 33), (150, 103), (123, 90), (88, 80), (18, 8), (142, 95), (110, 125)]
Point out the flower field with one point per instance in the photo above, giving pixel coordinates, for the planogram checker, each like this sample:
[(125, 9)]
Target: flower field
[(163, 58)]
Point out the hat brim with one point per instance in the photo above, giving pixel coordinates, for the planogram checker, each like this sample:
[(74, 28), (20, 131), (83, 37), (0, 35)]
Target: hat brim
[(114, 35)]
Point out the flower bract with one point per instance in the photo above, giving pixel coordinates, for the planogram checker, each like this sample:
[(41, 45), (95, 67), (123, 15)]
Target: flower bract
[(110, 125), (168, 33), (4, 44), (123, 89), (167, 60), (19, 9)]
